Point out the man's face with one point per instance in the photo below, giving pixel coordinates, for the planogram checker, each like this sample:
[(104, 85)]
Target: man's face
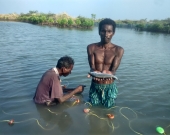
[(106, 33), (67, 71)]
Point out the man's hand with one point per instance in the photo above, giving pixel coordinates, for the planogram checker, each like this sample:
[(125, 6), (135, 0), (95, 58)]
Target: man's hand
[(70, 93), (80, 89)]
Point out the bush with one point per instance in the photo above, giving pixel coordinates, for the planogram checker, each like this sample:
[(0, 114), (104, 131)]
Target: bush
[(70, 21), (78, 22)]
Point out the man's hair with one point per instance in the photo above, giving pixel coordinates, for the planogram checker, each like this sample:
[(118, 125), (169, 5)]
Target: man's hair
[(107, 21), (65, 61)]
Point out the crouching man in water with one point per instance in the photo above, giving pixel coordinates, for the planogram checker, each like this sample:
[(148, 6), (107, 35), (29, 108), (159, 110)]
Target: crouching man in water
[(49, 90), (104, 57)]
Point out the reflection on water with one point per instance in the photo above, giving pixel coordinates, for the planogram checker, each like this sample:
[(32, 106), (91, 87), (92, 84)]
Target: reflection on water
[(27, 51), (61, 118)]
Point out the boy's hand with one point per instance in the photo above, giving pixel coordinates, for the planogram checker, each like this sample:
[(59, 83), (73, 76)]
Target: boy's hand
[(107, 72)]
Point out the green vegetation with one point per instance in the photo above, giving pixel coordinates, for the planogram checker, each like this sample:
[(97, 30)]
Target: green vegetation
[(60, 20), (162, 26), (9, 17), (64, 20)]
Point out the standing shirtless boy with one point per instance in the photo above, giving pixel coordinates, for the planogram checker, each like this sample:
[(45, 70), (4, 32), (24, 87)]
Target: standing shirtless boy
[(104, 57)]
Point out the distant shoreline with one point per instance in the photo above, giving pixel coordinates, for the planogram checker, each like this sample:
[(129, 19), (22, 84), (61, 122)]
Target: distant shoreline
[(60, 20), (66, 21)]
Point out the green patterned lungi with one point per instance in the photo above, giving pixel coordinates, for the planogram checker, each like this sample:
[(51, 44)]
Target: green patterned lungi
[(104, 94)]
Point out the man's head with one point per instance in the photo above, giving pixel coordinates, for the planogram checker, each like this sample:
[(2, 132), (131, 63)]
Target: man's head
[(65, 64), (106, 30)]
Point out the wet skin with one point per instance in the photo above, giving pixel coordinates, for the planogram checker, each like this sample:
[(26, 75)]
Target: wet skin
[(105, 56)]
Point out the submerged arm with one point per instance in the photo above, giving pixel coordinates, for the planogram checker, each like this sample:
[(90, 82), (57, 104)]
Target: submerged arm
[(69, 95)]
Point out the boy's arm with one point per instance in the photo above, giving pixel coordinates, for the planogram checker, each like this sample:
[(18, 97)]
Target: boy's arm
[(117, 60), (91, 57)]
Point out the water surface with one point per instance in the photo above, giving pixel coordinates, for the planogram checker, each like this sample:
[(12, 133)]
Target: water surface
[(27, 51)]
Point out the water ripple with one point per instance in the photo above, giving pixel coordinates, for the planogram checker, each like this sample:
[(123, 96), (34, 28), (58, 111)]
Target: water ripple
[(27, 51)]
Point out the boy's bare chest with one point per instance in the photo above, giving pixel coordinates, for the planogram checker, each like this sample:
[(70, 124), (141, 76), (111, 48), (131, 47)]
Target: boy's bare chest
[(105, 56), (105, 53)]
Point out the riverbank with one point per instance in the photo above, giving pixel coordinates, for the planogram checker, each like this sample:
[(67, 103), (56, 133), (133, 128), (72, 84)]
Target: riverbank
[(9, 17), (58, 20), (66, 21)]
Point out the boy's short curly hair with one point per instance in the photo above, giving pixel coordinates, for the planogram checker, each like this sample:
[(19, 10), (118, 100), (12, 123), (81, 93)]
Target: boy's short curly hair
[(107, 21)]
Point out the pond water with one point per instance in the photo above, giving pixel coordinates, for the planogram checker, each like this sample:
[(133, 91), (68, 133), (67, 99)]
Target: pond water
[(27, 51)]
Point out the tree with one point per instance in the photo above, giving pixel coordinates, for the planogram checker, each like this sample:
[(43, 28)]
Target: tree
[(78, 22), (70, 22), (64, 21), (33, 12), (140, 26), (50, 20), (93, 16), (42, 19)]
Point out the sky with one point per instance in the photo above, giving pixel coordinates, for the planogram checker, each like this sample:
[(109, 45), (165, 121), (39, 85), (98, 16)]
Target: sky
[(114, 9)]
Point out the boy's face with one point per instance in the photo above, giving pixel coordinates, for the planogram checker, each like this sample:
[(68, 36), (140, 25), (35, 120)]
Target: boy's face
[(106, 33)]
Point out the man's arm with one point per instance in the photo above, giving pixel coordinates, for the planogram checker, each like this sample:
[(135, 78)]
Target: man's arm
[(68, 90), (69, 95), (117, 59)]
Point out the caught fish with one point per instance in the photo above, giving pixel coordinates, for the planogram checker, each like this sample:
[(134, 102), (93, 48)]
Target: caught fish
[(102, 75)]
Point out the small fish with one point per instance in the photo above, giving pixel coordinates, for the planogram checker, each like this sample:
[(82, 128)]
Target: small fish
[(102, 75)]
